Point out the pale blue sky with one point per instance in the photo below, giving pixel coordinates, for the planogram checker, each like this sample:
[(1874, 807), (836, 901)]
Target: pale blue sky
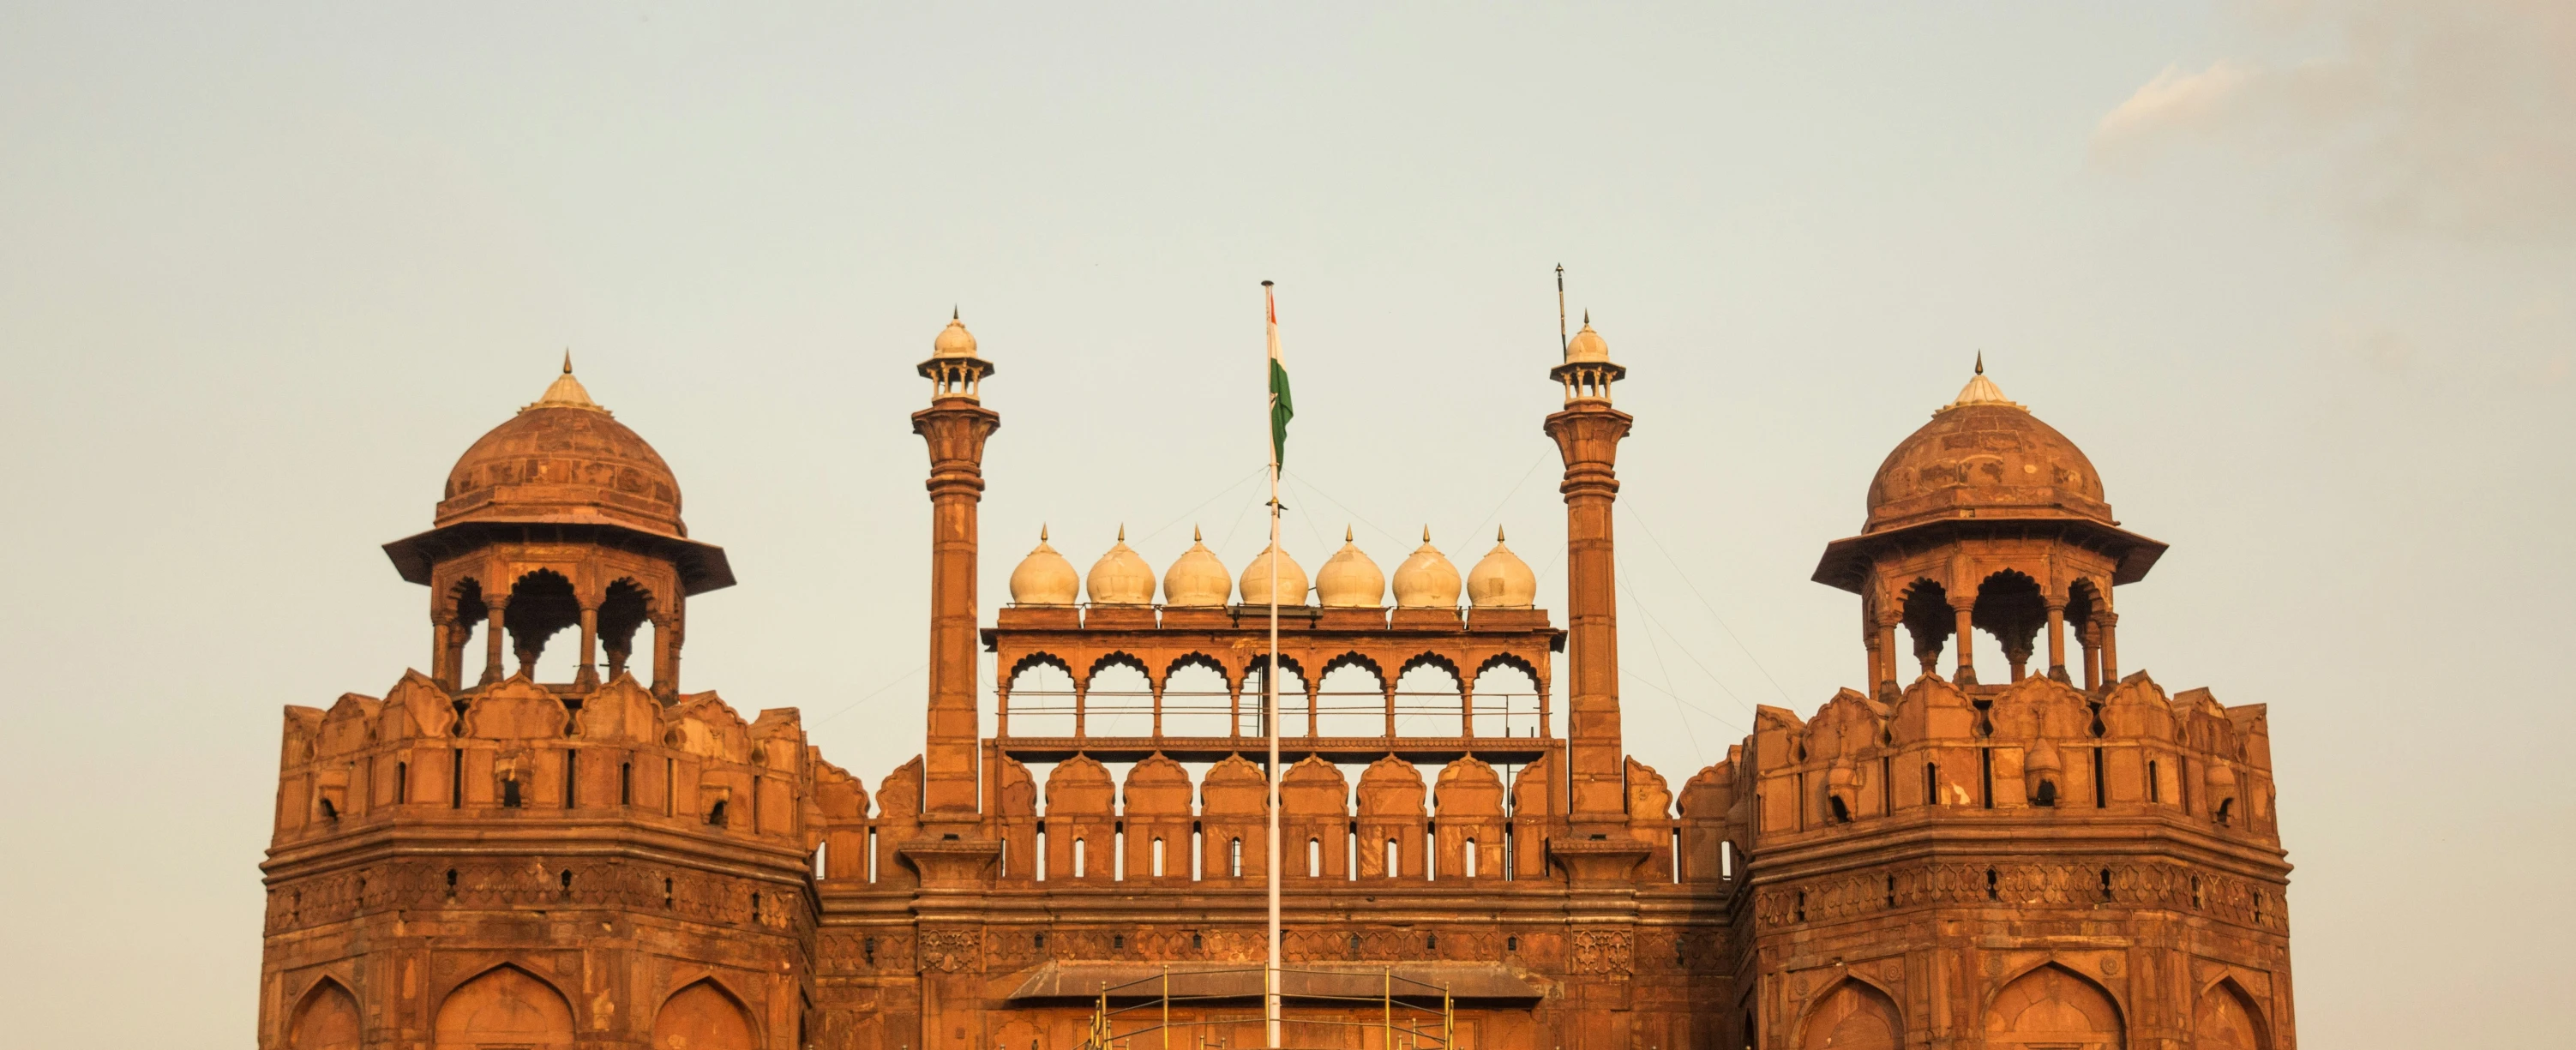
[(2296, 276)]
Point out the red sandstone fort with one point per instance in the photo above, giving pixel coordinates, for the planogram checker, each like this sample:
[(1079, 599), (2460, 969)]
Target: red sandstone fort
[(2044, 854)]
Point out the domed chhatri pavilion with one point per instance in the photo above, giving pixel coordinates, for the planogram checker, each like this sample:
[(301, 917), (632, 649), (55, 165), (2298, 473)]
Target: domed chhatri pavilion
[(2041, 854)]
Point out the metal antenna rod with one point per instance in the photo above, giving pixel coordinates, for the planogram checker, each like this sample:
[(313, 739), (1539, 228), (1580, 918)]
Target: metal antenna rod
[(1561, 342)]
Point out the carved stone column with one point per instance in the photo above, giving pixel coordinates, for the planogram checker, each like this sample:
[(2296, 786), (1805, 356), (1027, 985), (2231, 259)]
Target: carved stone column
[(493, 629)]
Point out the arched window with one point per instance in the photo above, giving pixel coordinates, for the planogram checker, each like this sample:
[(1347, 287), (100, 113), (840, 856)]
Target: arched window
[(1080, 862), (1470, 859), (1234, 863), (1314, 858), (1158, 856)]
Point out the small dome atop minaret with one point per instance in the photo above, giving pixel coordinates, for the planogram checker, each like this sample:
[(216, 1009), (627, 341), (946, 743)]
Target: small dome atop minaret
[(1502, 580), (954, 340), (1121, 576), (1044, 577), (1197, 579), (1255, 585), (1588, 371), (953, 369), (1350, 579), (1426, 580), (1587, 346)]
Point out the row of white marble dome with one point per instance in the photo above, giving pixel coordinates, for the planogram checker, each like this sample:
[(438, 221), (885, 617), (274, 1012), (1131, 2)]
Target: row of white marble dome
[(1348, 580)]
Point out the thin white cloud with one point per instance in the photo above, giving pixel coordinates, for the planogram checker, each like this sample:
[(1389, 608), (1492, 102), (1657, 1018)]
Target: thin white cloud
[(2451, 119), (2176, 101)]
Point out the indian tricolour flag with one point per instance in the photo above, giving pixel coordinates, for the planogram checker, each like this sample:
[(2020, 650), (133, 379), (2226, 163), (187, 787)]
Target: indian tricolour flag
[(1282, 408)]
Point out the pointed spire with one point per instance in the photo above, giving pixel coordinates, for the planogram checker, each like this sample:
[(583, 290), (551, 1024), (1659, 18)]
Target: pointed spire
[(1980, 390), (1346, 533), (1426, 534), (565, 391), (1194, 534), (1122, 532), (1042, 532), (1587, 317), (952, 311), (1498, 534)]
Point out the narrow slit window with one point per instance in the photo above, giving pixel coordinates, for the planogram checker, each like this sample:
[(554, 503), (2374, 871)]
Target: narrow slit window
[(626, 783), (1469, 860), (1078, 858), (572, 793), (2155, 782), (1986, 774), (1158, 856), (456, 779), (1234, 859), (402, 782), (2101, 782), (1314, 858)]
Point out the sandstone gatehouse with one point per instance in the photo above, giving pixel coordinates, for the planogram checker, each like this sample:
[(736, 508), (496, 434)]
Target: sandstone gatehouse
[(2048, 854)]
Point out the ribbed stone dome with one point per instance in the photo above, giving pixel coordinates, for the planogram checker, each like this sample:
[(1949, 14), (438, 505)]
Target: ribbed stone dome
[(1255, 585), (1587, 346), (563, 460), (1197, 579), (1426, 580), (1502, 580), (1045, 578), (1349, 579), (1983, 456), (1120, 577)]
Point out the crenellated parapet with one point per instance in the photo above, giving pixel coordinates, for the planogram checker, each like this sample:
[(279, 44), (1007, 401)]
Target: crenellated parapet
[(542, 758)]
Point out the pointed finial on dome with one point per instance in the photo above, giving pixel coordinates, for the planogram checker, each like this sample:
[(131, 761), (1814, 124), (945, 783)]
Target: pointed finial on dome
[(1346, 533), (566, 392), (1498, 534), (1979, 391), (1122, 532), (1587, 317), (1041, 533), (952, 311), (1426, 534), (1194, 534)]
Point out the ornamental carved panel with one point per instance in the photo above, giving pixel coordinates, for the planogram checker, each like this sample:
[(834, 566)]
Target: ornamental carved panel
[(1605, 952), (949, 951)]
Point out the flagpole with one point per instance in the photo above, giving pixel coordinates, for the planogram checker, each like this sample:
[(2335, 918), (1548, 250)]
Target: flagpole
[(1270, 701)]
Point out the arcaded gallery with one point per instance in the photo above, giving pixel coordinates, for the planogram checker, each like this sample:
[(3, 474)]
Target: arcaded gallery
[(2055, 852)]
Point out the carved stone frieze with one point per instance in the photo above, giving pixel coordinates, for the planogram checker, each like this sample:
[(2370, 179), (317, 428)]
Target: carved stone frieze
[(2131, 884), (536, 883)]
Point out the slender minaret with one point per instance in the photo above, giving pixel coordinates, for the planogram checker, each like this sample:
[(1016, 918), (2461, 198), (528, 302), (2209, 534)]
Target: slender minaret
[(955, 426), (1587, 433)]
